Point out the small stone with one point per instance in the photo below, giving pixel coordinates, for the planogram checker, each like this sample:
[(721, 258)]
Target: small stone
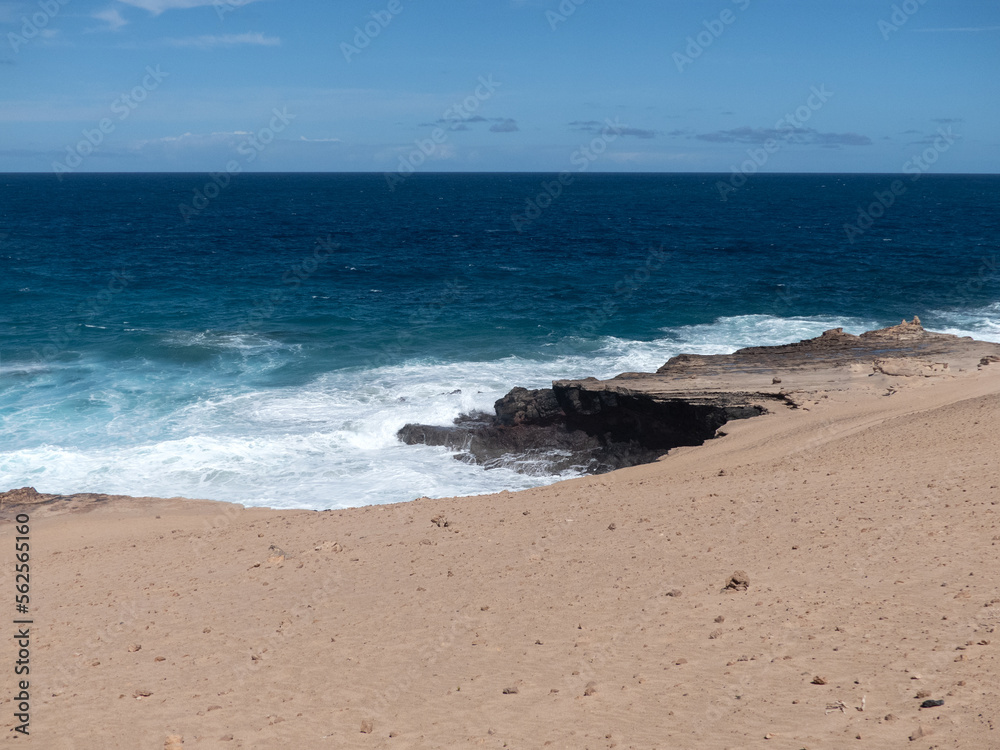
[(738, 581), (714, 634), (95, 663), (590, 689), (226, 738), (674, 592), (817, 680), (160, 658), (511, 690), (768, 736), (612, 527), (922, 694), (681, 661), (440, 521), (720, 618), (367, 726), (931, 704), (775, 381), (134, 647), (142, 694), (173, 742)]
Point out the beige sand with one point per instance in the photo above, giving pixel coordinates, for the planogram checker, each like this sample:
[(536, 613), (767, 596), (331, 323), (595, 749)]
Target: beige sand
[(588, 614)]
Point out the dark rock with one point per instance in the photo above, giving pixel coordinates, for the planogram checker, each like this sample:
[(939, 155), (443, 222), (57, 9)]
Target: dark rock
[(931, 704)]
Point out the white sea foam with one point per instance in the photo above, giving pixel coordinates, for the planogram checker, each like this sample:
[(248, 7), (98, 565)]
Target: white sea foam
[(332, 442)]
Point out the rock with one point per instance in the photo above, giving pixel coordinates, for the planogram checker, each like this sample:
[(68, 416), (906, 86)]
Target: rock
[(521, 406), (817, 680), (173, 742), (134, 647), (510, 690), (142, 694), (226, 738), (923, 694), (681, 661), (674, 593), (715, 634), (720, 618), (612, 527), (160, 658), (921, 731), (590, 689), (275, 554), (931, 704), (738, 581), (440, 521), (367, 726)]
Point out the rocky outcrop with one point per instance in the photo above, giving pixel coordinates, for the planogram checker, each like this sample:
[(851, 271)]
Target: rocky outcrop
[(597, 426), (568, 426)]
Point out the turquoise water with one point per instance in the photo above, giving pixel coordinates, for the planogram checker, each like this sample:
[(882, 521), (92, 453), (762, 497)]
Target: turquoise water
[(266, 349)]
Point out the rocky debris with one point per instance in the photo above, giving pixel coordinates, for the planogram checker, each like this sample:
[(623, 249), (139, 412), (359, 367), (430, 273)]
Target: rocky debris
[(275, 554), (367, 726), (738, 581), (440, 521), (987, 360), (134, 647), (511, 690), (817, 680)]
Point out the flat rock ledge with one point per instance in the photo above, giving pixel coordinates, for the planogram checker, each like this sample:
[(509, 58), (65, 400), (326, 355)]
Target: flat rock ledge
[(596, 426)]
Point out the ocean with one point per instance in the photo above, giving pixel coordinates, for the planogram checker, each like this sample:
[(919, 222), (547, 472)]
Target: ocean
[(262, 339)]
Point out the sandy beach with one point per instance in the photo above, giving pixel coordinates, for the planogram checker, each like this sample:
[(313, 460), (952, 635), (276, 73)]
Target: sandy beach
[(862, 527)]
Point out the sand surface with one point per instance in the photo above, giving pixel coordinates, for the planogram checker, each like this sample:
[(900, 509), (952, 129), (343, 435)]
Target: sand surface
[(587, 614)]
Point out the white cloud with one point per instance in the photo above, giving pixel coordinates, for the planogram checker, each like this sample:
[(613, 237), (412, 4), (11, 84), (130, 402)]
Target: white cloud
[(209, 41), (112, 18), (156, 7)]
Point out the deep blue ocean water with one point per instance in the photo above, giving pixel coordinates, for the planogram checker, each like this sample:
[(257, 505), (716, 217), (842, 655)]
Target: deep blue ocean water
[(266, 348)]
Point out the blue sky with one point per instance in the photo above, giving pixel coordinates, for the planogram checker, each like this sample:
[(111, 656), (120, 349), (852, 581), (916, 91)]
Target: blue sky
[(499, 85)]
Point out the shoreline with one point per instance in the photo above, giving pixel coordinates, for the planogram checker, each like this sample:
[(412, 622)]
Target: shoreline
[(590, 612)]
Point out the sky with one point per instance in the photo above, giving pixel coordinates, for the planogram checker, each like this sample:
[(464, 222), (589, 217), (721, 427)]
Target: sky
[(499, 85)]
